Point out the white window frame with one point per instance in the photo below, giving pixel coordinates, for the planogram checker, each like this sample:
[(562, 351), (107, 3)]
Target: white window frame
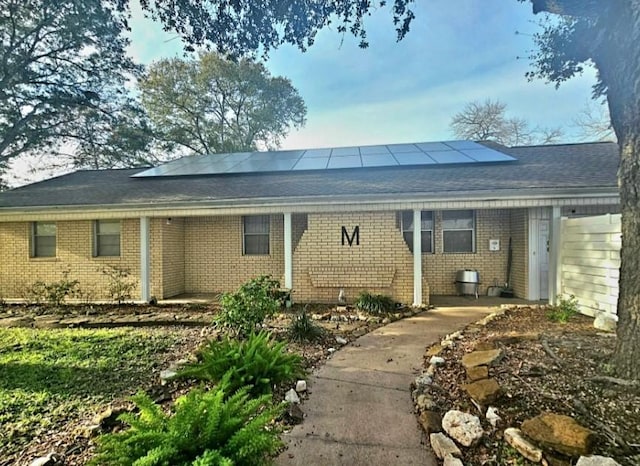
[(35, 236), (97, 235), (245, 234), (472, 229), (404, 229)]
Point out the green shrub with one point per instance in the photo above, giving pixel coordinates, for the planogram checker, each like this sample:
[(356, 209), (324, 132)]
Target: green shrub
[(119, 283), (303, 328), (56, 293), (564, 310), (375, 303), (205, 428), (257, 361), (250, 305)]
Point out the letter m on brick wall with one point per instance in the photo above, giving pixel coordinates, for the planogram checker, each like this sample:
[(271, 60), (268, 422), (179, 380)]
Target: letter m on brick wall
[(355, 236)]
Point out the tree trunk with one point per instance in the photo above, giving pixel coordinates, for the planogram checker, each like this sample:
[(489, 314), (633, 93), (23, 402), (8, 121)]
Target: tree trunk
[(619, 65)]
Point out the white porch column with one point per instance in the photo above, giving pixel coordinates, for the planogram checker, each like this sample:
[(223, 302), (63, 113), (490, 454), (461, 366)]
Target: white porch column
[(417, 258), (288, 252), (555, 248), (145, 286)]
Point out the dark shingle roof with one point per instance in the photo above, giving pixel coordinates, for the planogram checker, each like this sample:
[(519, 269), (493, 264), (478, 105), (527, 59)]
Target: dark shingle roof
[(580, 166)]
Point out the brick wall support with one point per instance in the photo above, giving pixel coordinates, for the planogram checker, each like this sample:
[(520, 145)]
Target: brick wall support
[(417, 258), (145, 281)]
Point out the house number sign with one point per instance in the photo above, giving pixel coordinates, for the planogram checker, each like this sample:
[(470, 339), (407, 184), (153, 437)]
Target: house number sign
[(350, 239)]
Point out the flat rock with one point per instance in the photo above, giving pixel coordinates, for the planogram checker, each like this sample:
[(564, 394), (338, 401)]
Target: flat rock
[(485, 345), (482, 358), (295, 413), (515, 438), (15, 322), (431, 421), (464, 428), (451, 460), (483, 391), (477, 373), (492, 416), (292, 397), (434, 350), (52, 459), (301, 386), (596, 461), (560, 433), (513, 338), (605, 321), (425, 402), (443, 445), (436, 361)]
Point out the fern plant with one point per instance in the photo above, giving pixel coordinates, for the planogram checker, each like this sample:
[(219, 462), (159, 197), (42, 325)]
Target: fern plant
[(303, 328), (205, 428), (375, 303), (257, 361)]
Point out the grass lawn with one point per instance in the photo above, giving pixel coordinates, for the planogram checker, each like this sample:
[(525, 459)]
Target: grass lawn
[(48, 377)]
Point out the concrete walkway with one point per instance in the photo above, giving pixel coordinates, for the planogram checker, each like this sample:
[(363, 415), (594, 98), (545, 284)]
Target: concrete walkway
[(359, 411)]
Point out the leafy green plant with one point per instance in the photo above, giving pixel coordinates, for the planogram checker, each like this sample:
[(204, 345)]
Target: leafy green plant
[(258, 361), (564, 310), (375, 303), (205, 428), (250, 305), (54, 293), (303, 328), (120, 286)]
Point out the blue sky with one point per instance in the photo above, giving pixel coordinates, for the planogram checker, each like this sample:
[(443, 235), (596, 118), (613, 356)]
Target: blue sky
[(457, 52)]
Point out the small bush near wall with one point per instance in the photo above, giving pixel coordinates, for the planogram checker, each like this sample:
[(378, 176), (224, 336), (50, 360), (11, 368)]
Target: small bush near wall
[(244, 309), (54, 294), (375, 303), (120, 286), (564, 310)]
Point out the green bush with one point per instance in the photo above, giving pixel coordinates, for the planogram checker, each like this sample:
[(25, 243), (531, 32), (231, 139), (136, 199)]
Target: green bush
[(205, 428), (120, 285), (375, 303), (564, 310), (303, 328), (250, 305), (56, 293), (258, 362)]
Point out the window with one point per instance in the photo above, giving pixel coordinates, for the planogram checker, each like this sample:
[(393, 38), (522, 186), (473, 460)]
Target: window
[(427, 230), (458, 231), (106, 238), (43, 239), (256, 235)]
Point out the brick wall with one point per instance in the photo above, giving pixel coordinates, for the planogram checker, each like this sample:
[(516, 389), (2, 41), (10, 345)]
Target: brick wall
[(74, 252), (520, 247), (213, 254), (173, 266)]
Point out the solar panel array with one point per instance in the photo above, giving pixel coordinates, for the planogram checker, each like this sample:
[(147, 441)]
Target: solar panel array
[(391, 155)]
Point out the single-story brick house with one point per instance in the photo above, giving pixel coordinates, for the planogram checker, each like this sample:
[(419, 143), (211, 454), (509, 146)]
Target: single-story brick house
[(319, 220)]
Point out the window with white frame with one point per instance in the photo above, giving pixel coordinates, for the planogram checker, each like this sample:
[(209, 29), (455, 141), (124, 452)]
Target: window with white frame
[(256, 235), (426, 219), (106, 238), (458, 231), (43, 239)]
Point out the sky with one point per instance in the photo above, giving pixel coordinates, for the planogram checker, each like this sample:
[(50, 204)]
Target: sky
[(456, 52)]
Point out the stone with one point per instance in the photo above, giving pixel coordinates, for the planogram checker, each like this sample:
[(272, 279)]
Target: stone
[(492, 416), (482, 358), (422, 382), (301, 386), (443, 445), (436, 361), (431, 421), (559, 433), (447, 343), (483, 391), (292, 397), (515, 438), (431, 370), (464, 428), (167, 374), (513, 338), (52, 459), (295, 413), (331, 350), (477, 373), (341, 341), (386, 321), (108, 418), (596, 460), (485, 346), (605, 321), (15, 322), (425, 402), (451, 460), (434, 351)]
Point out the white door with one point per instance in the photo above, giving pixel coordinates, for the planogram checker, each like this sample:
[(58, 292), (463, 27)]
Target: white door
[(543, 257)]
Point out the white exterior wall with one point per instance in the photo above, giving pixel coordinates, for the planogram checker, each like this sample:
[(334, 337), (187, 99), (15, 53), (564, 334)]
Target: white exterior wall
[(590, 262)]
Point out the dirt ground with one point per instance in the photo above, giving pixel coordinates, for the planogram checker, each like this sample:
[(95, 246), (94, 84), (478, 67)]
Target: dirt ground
[(534, 381)]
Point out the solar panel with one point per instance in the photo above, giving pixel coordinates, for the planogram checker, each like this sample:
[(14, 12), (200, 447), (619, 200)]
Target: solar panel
[(392, 155)]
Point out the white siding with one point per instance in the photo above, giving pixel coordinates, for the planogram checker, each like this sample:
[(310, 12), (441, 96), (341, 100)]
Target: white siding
[(590, 259)]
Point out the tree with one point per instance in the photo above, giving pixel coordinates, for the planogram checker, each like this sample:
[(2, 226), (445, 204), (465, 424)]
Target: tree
[(487, 121), (214, 105), (594, 123), (603, 33), (64, 66)]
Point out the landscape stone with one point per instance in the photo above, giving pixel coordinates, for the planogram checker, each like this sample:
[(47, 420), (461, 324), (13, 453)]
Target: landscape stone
[(434, 350), (301, 386), (167, 374), (422, 382), (443, 445), (436, 361), (485, 345), (292, 397), (331, 350), (464, 428), (515, 438), (483, 391), (477, 373), (52, 459), (341, 341), (513, 338), (431, 421), (492, 416), (605, 321), (560, 433), (451, 460), (14, 322), (295, 413), (482, 358), (596, 460), (425, 402)]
